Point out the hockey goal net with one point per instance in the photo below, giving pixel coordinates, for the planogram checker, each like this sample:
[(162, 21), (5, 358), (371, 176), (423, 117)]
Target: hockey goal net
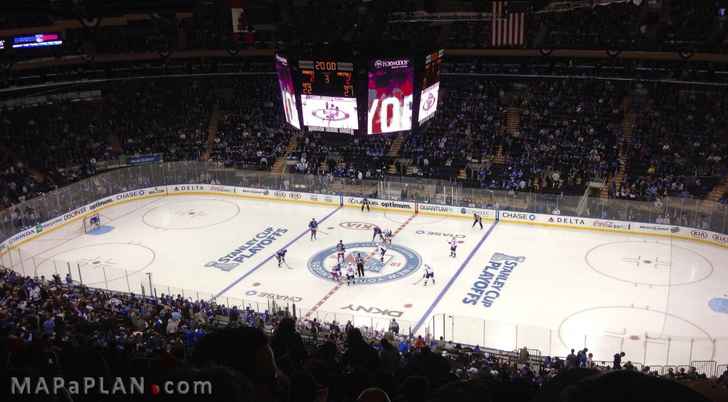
[(91, 223)]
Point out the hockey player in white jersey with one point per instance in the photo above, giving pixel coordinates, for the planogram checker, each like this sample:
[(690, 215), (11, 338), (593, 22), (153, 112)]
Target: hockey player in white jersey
[(388, 236), (350, 274), (429, 274), (453, 247)]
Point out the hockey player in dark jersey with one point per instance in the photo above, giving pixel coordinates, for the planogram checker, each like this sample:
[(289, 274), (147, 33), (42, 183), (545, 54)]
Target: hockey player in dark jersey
[(382, 251), (377, 232), (477, 220), (313, 226), (336, 272), (340, 251), (365, 204), (281, 257)]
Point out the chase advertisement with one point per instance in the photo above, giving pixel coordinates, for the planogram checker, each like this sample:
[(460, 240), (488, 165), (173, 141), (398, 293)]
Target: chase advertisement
[(390, 89)]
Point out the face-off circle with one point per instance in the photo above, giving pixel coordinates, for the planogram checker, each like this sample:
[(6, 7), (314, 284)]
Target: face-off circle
[(100, 263), (330, 114), (629, 328), (191, 214), (399, 262), (649, 263)]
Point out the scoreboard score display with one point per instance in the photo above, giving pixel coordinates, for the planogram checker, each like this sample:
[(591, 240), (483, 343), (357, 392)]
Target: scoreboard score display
[(399, 90), (328, 100), (327, 78)]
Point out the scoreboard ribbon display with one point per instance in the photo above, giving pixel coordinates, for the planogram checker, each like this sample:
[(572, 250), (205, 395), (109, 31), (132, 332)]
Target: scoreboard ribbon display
[(390, 90)]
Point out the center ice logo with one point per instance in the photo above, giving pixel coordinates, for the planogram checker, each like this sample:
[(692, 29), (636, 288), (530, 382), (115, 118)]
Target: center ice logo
[(330, 113), (398, 263)]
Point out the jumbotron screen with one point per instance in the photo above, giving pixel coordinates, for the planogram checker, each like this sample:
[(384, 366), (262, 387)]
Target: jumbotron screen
[(328, 99), (391, 83), (431, 86), (288, 92), (326, 112)]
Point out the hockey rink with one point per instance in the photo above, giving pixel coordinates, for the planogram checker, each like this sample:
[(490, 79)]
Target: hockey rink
[(661, 300)]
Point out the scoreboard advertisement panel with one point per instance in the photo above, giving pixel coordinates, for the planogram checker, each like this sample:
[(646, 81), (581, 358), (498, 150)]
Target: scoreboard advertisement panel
[(328, 98), (390, 90), (288, 92), (430, 86)]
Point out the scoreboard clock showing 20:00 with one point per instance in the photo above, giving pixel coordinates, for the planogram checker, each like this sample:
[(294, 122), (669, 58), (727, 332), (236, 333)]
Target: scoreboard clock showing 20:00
[(327, 78)]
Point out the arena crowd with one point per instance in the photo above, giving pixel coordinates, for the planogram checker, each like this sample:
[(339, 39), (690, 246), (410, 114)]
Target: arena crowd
[(55, 327)]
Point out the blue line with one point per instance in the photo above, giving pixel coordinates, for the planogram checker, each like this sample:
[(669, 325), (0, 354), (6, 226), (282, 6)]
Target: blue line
[(255, 268), (452, 279)]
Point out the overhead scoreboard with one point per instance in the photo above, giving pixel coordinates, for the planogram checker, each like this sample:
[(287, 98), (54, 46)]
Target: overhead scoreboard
[(399, 90), (328, 97)]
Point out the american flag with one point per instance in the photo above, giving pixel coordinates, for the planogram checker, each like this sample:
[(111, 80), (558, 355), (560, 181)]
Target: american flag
[(508, 29)]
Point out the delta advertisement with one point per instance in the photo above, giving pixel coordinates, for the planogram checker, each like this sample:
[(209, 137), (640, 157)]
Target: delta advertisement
[(285, 82), (391, 84)]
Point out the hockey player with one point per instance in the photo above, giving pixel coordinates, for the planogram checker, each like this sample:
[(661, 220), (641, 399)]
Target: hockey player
[(382, 251), (281, 257), (340, 251), (453, 247), (377, 232), (336, 272), (350, 274), (365, 204), (313, 226), (388, 236), (429, 274), (477, 220), (359, 265)]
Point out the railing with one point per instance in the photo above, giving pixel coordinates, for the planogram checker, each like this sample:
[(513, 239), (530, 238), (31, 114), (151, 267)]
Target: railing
[(641, 348)]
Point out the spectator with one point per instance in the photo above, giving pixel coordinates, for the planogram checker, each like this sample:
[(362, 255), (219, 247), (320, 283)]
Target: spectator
[(394, 327)]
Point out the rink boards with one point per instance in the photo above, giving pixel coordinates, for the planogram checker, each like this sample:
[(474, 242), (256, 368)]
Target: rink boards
[(602, 225)]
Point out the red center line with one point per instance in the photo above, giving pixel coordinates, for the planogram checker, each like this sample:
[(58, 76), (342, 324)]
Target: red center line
[(338, 286)]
